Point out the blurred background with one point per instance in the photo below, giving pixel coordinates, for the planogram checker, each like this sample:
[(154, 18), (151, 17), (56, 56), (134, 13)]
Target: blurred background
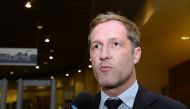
[(47, 40)]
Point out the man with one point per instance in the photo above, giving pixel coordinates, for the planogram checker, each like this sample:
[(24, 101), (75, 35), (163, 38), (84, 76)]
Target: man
[(114, 50)]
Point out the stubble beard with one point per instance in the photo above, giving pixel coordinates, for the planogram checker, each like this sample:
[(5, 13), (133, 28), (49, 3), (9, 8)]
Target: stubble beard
[(118, 83), (110, 85)]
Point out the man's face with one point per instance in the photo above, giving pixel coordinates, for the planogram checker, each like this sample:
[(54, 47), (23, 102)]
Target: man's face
[(111, 54)]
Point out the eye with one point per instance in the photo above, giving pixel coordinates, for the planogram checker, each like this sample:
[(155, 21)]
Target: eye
[(116, 44), (95, 46)]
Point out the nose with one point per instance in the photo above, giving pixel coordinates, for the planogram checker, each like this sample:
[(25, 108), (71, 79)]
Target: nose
[(104, 54)]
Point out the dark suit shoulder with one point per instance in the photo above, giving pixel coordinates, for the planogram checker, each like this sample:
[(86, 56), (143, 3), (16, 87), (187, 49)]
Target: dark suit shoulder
[(166, 102), (146, 99)]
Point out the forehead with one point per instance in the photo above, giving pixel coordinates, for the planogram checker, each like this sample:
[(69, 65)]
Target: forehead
[(110, 29)]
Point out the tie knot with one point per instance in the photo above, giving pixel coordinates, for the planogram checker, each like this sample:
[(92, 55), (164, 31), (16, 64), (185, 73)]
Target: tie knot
[(113, 103)]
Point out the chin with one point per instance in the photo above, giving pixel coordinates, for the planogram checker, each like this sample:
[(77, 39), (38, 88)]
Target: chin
[(107, 85)]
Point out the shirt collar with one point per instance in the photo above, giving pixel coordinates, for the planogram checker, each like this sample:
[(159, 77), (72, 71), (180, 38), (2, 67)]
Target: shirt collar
[(104, 97), (127, 96)]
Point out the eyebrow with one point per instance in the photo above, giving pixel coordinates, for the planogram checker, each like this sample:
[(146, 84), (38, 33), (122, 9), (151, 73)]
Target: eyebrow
[(112, 39), (94, 42)]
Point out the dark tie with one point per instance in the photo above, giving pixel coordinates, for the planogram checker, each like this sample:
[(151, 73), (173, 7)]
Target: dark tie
[(113, 103)]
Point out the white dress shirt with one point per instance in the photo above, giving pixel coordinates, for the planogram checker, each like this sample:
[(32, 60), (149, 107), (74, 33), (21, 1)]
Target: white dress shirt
[(127, 97)]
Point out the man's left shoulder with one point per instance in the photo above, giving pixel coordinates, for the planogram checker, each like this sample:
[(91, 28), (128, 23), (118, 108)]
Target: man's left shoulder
[(147, 98), (168, 103)]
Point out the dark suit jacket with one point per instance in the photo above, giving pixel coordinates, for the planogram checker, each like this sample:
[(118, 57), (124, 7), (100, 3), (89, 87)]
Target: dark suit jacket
[(146, 100)]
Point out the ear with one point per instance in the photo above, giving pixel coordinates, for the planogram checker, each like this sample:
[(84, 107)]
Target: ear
[(137, 55)]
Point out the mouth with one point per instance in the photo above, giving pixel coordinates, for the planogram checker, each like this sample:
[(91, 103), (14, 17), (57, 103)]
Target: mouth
[(105, 68)]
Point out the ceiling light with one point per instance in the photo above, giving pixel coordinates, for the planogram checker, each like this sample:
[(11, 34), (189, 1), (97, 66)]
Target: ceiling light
[(185, 37), (11, 72), (89, 66), (39, 27), (52, 77), (28, 5), (79, 71), (51, 50), (37, 67), (50, 57), (66, 74), (47, 40)]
